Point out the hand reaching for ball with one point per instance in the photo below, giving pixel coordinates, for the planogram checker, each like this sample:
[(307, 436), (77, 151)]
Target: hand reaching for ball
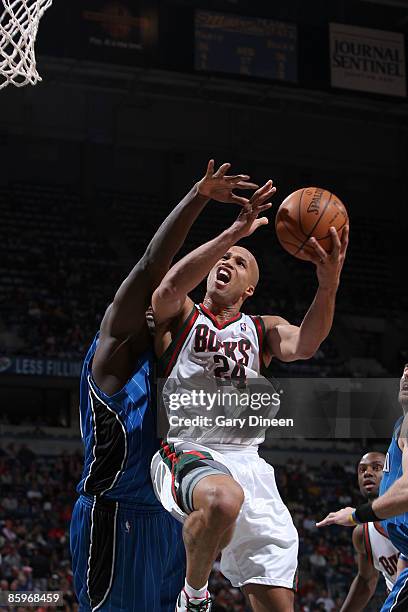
[(312, 224), (328, 265)]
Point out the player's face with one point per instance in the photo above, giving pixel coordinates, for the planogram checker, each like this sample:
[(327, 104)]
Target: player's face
[(370, 472), (403, 391), (232, 276)]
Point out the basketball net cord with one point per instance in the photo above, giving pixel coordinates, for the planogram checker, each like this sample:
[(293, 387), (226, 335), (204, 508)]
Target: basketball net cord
[(19, 23)]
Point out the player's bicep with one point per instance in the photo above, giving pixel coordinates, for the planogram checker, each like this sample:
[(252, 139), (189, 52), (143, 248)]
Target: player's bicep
[(126, 314), (166, 331), (365, 565), (282, 339), (168, 305)]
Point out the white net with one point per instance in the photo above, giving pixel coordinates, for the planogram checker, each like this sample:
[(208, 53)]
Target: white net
[(19, 23)]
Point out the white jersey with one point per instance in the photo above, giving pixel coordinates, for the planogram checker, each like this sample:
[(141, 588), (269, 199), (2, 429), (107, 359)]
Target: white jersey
[(213, 387), (381, 552)]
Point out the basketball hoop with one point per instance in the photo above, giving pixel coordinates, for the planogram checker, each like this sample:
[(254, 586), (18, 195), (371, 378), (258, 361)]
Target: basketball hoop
[(18, 31)]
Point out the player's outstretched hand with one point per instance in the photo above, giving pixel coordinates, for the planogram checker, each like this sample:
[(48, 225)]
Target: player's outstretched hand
[(341, 517), (248, 221), (217, 185), (329, 265)]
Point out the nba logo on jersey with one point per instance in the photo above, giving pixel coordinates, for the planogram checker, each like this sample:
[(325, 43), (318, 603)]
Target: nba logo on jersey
[(243, 327), (386, 467)]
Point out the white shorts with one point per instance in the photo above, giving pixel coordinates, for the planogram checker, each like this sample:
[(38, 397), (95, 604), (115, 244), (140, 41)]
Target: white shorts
[(264, 547)]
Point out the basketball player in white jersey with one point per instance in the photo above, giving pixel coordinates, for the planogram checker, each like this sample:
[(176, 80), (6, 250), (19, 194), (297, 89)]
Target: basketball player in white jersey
[(375, 552), (219, 487)]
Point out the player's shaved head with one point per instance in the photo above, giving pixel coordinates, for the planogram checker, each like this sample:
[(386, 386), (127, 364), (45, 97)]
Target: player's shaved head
[(372, 457), (233, 278), (252, 263)]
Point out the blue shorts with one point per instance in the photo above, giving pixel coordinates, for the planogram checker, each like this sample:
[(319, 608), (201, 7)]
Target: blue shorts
[(124, 558), (397, 600)]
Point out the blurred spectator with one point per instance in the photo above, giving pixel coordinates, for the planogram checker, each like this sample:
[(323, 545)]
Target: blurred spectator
[(36, 509)]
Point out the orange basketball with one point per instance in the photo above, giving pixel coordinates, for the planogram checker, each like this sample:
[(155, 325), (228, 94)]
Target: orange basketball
[(309, 212)]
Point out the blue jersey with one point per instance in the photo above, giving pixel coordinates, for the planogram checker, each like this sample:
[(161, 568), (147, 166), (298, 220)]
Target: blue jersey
[(397, 527), (119, 435)]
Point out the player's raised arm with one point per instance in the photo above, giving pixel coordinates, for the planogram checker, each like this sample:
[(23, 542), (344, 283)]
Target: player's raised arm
[(364, 584), (126, 314), (123, 333), (170, 298), (290, 342)]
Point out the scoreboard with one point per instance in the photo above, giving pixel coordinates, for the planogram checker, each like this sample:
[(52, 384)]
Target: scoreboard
[(249, 46)]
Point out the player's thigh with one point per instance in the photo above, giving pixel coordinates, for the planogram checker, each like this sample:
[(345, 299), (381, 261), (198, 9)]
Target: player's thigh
[(174, 570), (121, 557), (264, 598), (80, 530), (150, 564)]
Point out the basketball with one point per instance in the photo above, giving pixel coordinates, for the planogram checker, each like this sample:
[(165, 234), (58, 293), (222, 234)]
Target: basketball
[(309, 212)]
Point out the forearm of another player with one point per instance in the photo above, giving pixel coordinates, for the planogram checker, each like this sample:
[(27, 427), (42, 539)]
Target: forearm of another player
[(126, 315), (394, 501), (316, 324), (172, 233)]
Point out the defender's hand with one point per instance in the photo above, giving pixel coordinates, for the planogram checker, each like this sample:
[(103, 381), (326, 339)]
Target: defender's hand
[(329, 265), (342, 517), (248, 221), (219, 186)]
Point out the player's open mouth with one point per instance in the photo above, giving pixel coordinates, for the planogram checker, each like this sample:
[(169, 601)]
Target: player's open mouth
[(369, 484), (223, 276)]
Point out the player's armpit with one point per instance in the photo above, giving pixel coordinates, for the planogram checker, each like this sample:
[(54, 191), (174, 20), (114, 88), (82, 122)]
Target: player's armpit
[(283, 340)]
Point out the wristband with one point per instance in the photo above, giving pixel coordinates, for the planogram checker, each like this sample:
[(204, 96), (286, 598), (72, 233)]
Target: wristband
[(353, 520), (365, 514)]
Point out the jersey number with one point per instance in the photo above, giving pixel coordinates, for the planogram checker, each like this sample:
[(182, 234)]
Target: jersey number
[(386, 467), (223, 370)]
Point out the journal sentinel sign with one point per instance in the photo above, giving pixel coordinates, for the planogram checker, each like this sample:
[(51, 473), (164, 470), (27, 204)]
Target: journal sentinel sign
[(367, 60)]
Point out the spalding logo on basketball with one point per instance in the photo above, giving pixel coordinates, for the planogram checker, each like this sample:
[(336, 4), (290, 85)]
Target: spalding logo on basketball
[(309, 212)]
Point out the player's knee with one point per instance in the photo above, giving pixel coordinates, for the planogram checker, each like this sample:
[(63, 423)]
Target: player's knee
[(223, 505)]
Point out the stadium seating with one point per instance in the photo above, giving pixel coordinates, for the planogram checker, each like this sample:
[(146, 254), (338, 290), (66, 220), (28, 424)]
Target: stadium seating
[(61, 259), (38, 493)]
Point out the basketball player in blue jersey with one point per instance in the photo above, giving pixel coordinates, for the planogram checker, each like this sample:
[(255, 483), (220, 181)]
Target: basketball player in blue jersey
[(127, 552), (391, 508)]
